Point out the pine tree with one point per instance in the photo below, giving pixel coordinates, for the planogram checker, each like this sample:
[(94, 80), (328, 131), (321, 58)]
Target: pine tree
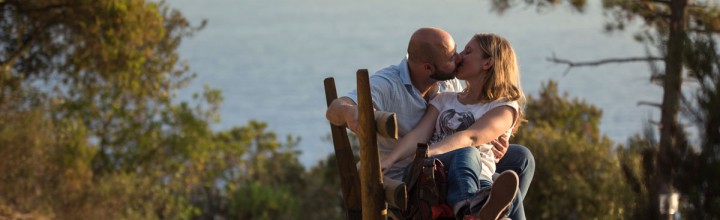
[(674, 28)]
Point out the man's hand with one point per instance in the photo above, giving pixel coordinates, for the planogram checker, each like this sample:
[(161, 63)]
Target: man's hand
[(343, 112), (351, 121), (500, 147)]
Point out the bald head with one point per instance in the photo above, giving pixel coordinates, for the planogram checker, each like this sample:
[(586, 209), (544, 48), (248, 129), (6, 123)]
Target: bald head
[(426, 44)]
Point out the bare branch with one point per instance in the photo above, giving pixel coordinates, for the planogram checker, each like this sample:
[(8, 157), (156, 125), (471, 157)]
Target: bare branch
[(688, 108), (604, 61), (26, 43), (653, 122), (572, 64), (704, 31), (655, 72), (653, 104), (656, 79), (50, 7), (6, 64), (666, 2), (697, 5)]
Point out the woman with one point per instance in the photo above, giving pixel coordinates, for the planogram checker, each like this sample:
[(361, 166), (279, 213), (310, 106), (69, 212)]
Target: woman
[(487, 109)]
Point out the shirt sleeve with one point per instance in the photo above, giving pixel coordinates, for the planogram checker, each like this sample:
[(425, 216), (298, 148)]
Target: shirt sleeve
[(512, 104), (380, 91)]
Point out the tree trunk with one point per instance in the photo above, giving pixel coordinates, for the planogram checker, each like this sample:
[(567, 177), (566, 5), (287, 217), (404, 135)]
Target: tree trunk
[(671, 97)]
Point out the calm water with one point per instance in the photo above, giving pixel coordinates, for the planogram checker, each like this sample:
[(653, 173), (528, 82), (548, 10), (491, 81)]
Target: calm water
[(269, 57)]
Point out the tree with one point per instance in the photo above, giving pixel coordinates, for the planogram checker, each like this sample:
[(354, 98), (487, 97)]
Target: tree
[(89, 128), (263, 181), (576, 174), (638, 168), (697, 175), (673, 26), (98, 75)]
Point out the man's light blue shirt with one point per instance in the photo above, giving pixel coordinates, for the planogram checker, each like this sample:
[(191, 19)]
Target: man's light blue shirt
[(392, 91)]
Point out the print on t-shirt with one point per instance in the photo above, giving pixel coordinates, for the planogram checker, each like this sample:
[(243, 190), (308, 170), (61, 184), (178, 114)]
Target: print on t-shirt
[(451, 122)]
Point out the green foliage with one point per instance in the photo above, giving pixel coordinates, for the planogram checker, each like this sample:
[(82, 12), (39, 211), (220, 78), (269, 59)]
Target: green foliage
[(89, 128), (702, 17), (567, 116), (258, 201), (638, 169), (698, 177), (323, 179), (577, 173)]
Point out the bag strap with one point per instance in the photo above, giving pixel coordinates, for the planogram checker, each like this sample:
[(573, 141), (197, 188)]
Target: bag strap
[(421, 153), (430, 190)]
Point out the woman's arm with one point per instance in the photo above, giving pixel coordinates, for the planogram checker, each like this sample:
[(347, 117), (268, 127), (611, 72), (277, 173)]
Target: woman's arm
[(419, 134), (487, 128)]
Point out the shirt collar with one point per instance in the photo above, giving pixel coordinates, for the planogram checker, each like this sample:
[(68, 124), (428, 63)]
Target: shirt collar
[(405, 73)]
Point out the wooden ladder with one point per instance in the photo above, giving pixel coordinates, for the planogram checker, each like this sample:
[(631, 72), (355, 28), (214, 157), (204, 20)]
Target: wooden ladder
[(365, 195)]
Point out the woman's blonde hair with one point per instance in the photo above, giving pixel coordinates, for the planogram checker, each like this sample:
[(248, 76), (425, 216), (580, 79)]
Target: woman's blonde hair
[(503, 78)]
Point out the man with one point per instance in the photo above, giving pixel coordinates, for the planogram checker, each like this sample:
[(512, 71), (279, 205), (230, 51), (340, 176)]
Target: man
[(407, 88)]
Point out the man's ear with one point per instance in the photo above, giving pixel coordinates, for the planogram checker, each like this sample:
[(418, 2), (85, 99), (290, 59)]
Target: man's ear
[(428, 67)]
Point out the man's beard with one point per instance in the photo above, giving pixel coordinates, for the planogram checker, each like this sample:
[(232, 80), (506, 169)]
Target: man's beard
[(440, 76)]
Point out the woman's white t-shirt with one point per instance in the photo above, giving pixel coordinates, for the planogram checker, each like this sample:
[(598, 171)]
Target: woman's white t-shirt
[(455, 116)]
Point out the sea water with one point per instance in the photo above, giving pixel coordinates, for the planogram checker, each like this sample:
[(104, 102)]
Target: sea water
[(269, 57)]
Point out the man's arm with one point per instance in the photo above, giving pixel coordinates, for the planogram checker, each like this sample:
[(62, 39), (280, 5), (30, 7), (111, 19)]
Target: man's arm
[(343, 112), (500, 147)]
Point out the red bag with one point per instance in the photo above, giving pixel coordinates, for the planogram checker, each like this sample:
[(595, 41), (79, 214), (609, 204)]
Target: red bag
[(427, 188)]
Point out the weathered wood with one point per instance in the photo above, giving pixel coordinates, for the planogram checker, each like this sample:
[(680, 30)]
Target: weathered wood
[(349, 178), (386, 124), (395, 193), (372, 195)]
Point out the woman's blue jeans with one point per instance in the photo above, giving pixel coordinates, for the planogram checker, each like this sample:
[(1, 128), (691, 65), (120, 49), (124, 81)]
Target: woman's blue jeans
[(464, 176)]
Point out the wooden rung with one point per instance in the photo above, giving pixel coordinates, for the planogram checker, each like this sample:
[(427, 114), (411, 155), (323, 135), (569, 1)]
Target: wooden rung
[(395, 193), (386, 124)]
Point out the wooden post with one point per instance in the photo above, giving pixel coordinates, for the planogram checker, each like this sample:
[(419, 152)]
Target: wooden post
[(386, 124), (372, 195), (395, 193), (349, 179)]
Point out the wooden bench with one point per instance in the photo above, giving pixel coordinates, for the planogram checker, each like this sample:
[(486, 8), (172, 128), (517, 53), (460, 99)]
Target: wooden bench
[(365, 193)]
